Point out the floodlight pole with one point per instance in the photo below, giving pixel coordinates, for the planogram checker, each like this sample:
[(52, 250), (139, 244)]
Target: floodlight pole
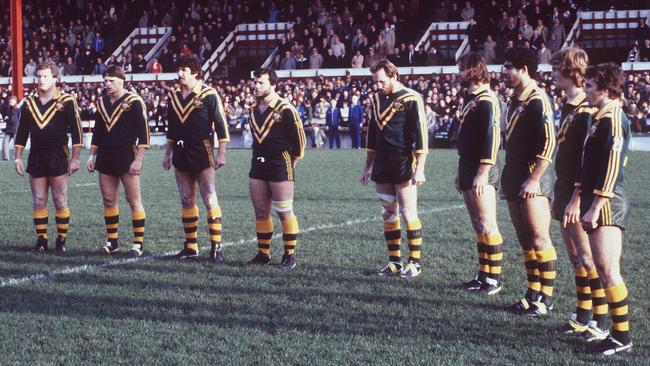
[(17, 48)]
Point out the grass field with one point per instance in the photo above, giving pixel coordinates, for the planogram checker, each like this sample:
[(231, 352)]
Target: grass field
[(82, 308)]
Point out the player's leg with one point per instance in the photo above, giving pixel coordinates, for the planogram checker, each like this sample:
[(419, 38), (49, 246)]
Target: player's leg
[(131, 185), (407, 197), (537, 217), (59, 188), (483, 214), (387, 196), (208, 189), (39, 188), (607, 244), (282, 204), (530, 259), (261, 199), (186, 183), (109, 185)]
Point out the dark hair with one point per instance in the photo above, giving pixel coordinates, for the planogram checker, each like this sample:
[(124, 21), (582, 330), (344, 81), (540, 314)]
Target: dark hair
[(572, 63), (115, 71), (48, 64), (475, 66), (273, 77), (389, 68), (608, 78), (191, 63), (522, 56)]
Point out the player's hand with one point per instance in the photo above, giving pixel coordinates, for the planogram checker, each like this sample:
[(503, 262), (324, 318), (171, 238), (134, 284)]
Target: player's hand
[(136, 167), (90, 164), (365, 177), (73, 166), (529, 189), (20, 168), (167, 162), (294, 163), (479, 184), (418, 178), (571, 213), (219, 161), (590, 220)]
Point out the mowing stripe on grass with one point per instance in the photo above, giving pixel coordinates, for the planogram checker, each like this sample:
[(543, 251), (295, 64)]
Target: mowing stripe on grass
[(94, 267)]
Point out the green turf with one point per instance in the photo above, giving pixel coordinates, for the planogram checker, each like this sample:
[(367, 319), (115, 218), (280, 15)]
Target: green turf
[(325, 311)]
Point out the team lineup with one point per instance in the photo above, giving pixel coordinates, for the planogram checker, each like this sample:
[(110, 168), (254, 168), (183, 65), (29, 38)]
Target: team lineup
[(574, 176)]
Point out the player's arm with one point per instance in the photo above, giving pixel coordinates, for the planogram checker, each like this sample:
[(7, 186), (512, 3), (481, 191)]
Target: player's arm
[(20, 141), (139, 113), (99, 132), (169, 147), (542, 117), (217, 115), (419, 117), (74, 127), (371, 145), (297, 133)]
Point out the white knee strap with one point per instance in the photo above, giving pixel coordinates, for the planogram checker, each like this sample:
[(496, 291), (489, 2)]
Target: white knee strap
[(282, 206), (387, 202)]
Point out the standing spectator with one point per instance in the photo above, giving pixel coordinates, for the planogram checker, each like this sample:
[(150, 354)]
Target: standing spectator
[(330, 61), (247, 136), (554, 44), (558, 30), (166, 60), (30, 68), (337, 47), (526, 30), (333, 122), (371, 59), (433, 58), (155, 67), (320, 112), (288, 62), (468, 11), (642, 31), (644, 52), (411, 58), (69, 68), (100, 67), (489, 50), (543, 54), (140, 65), (12, 118), (316, 59), (98, 44), (355, 122), (389, 38), (357, 60)]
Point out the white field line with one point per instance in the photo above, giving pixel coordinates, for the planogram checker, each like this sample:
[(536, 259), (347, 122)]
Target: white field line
[(10, 282), (69, 186)]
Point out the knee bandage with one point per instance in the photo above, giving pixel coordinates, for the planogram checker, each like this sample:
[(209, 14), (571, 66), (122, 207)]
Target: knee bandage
[(282, 206), (388, 204)]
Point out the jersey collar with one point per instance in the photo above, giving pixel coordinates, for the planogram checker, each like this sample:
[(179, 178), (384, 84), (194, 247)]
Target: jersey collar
[(608, 107)]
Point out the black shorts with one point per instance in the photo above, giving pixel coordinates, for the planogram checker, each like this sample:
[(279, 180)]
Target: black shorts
[(114, 160), (48, 162), (515, 174), (272, 167), (393, 168), (193, 157), (615, 212), (562, 193), (467, 172)]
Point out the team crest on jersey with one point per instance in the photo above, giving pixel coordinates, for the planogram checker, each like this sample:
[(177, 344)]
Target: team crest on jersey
[(570, 118), (520, 109), (398, 106), (198, 104), (592, 130), (59, 106), (276, 116), (126, 107), (617, 144)]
